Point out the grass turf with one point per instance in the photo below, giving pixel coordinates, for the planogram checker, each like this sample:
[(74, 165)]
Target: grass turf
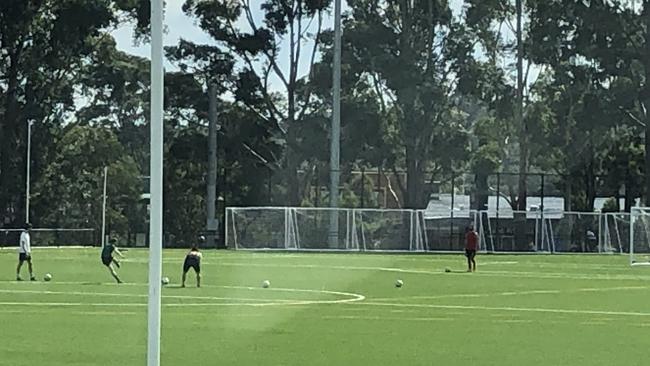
[(330, 309)]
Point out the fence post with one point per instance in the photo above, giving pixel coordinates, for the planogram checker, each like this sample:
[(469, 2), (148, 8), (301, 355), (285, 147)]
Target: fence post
[(541, 207), (270, 187), (600, 232), (497, 214), (451, 220), (363, 186)]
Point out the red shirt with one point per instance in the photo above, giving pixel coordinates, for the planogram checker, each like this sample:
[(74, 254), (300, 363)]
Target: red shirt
[(471, 240)]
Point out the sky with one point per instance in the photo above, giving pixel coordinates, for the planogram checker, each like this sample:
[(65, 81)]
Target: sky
[(178, 25)]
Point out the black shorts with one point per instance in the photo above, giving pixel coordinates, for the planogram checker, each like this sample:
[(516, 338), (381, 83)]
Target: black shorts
[(470, 253), (24, 257), (192, 262), (107, 261)]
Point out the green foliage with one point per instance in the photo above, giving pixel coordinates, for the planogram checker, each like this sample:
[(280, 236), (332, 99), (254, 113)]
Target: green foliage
[(254, 45), (392, 55), (45, 47), (596, 91), (610, 205), (423, 91), (69, 193)]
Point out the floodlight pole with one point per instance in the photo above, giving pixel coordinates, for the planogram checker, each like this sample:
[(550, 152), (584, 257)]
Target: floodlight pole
[(156, 166), (28, 164), (212, 225), (335, 130), (104, 208)]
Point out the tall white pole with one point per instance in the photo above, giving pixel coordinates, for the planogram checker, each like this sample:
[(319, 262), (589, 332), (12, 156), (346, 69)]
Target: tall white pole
[(156, 213), (335, 136), (104, 208), (28, 164), (212, 226)]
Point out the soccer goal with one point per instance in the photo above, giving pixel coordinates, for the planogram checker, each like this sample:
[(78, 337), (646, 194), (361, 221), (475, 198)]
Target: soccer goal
[(305, 229), (640, 236)]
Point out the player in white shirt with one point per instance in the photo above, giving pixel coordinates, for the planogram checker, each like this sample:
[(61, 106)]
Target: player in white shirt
[(25, 253)]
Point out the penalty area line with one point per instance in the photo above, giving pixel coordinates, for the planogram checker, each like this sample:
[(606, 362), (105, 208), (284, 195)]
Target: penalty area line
[(253, 302), (110, 294), (509, 309)]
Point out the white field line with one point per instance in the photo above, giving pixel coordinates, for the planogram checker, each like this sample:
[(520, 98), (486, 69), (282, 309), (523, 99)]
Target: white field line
[(385, 318), (514, 293), (350, 297), (441, 272), (178, 258), (459, 318), (463, 296), (252, 256), (497, 263), (510, 309), (83, 312), (138, 295), (353, 296), (207, 304), (516, 274)]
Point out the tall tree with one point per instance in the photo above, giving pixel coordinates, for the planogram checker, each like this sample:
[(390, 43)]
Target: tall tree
[(69, 193), (257, 45), (43, 44), (401, 47), (598, 52)]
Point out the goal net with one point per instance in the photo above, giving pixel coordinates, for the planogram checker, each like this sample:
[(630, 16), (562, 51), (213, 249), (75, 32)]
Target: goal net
[(639, 246), (298, 228)]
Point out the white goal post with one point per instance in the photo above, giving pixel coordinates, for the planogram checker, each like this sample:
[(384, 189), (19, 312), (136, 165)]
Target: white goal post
[(395, 230), (306, 229), (640, 236)]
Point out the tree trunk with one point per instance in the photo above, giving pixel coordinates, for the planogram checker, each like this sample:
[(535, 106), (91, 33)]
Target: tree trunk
[(414, 179), (590, 187), (8, 141), (294, 192), (629, 193), (482, 191)]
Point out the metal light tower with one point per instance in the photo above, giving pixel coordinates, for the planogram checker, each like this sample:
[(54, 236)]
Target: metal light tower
[(212, 225), (335, 136), (28, 164)]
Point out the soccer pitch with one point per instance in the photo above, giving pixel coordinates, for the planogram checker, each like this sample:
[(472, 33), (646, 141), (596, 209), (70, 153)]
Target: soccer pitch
[(330, 309)]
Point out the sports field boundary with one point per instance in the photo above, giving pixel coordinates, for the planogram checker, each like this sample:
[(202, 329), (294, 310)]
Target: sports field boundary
[(254, 302), (508, 309)]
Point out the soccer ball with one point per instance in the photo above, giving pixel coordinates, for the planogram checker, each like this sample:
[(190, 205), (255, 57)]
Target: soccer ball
[(48, 277), (266, 284), (165, 280), (399, 283)]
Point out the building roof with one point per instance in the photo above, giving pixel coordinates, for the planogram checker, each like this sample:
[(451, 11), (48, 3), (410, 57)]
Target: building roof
[(442, 207)]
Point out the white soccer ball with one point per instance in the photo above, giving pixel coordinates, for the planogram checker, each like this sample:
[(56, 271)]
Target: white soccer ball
[(399, 283), (266, 284), (48, 277), (165, 280)]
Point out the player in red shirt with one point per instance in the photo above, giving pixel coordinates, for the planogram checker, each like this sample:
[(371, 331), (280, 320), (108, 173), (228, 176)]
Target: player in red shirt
[(471, 246)]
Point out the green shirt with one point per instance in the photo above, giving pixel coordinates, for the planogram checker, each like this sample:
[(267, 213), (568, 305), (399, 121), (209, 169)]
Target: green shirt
[(107, 251)]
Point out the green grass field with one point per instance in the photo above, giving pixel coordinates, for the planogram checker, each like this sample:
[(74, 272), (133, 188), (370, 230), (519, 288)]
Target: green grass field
[(330, 309)]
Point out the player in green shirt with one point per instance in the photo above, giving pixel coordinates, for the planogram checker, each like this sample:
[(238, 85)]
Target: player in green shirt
[(108, 259)]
